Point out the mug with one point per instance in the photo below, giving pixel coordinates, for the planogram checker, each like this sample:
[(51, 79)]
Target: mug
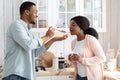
[(73, 57)]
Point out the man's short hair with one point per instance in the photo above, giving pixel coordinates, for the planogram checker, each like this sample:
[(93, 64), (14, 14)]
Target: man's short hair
[(26, 6)]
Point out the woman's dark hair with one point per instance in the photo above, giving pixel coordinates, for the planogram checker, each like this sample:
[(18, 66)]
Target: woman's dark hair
[(26, 6), (84, 24)]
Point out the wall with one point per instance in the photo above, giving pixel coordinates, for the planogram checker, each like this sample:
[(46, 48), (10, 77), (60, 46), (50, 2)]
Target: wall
[(118, 23), (7, 15), (9, 11), (1, 31), (111, 36)]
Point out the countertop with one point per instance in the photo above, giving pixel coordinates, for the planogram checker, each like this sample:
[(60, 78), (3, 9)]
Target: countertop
[(109, 75), (53, 72), (112, 75), (56, 72)]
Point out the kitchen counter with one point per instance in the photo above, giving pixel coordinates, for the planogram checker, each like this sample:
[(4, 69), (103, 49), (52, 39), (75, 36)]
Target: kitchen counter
[(112, 75), (53, 72), (56, 72), (109, 75)]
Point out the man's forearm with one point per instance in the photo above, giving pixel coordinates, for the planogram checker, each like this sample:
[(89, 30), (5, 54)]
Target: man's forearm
[(45, 38), (49, 43)]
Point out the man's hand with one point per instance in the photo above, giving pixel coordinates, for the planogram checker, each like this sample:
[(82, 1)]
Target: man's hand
[(49, 38), (60, 38), (50, 33)]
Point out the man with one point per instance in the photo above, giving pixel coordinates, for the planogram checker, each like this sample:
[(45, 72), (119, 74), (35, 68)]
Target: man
[(22, 48)]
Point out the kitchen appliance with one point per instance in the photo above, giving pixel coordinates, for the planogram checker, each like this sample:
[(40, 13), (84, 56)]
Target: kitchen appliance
[(58, 63), (61, 61)]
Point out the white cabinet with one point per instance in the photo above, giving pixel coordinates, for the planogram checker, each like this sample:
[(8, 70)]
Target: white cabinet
[(56, 15), (62, 11), (66, 77)]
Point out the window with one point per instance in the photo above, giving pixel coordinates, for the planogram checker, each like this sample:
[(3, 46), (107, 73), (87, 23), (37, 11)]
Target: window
[(94, 10), (58, 13)]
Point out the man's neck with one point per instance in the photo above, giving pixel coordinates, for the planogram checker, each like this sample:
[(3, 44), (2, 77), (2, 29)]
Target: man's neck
[(25, 20)]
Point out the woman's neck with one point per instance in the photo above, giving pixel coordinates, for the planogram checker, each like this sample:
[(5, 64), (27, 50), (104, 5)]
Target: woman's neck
[(80, 37)]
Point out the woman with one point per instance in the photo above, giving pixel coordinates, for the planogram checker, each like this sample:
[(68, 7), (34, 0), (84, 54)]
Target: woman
[(88, 62)]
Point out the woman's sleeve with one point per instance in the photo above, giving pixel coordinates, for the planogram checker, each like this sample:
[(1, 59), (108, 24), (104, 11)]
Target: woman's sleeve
[(97, 51)]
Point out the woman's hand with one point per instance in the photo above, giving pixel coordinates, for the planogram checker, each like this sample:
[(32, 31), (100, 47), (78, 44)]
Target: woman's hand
[(75, 58), (79, 58)]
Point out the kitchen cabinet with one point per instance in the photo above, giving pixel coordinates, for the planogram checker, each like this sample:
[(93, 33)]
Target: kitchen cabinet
[(64, 10)]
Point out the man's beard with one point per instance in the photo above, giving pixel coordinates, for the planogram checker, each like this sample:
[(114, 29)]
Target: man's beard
[(32, 22)]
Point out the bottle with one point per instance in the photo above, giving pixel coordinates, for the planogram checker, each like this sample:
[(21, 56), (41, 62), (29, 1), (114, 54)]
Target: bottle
[(118, 58), (55, 63), (61, 61)]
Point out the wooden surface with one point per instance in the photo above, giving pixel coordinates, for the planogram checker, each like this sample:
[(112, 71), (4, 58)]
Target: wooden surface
[(112, 75), (55, 72), (109, 75)]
